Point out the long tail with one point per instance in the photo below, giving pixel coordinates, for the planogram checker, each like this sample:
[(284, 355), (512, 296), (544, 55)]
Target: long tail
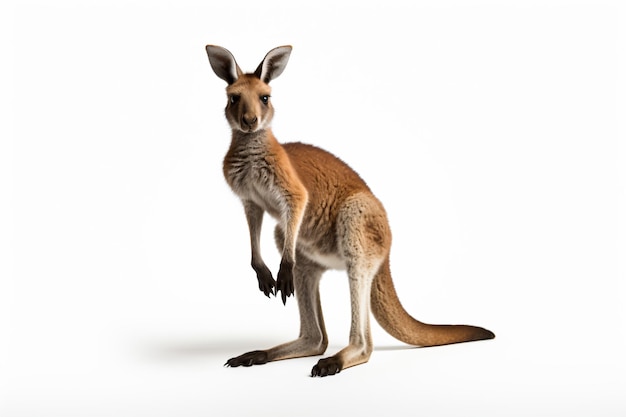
[(397, 322)]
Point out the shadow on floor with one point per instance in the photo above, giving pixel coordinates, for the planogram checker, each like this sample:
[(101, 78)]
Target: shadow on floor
[(228, 347)]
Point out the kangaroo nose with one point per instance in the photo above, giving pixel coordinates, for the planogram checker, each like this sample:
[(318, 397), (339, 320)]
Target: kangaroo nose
[(249, 120)]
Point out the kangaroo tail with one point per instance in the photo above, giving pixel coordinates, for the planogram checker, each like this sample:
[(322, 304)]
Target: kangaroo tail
[(397, 322)]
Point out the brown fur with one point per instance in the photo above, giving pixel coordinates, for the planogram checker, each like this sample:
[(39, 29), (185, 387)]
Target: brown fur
[(327, 218)]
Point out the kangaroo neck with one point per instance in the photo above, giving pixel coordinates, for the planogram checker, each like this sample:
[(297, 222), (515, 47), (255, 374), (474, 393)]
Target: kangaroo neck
[(260, 139), (260, 134)]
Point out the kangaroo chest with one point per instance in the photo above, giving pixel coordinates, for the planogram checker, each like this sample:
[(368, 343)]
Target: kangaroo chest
[(251, 173)]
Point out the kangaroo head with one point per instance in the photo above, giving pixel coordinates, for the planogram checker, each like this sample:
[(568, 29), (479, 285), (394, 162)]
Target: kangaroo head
[(249, 108)]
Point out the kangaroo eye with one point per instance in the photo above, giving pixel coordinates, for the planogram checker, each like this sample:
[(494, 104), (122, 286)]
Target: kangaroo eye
[(234, 98), (265, 99)]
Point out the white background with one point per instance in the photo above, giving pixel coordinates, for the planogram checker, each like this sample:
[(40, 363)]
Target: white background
[(492, 131)]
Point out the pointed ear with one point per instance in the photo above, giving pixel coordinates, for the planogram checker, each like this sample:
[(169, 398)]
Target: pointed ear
[(273, 64), (223, 63)]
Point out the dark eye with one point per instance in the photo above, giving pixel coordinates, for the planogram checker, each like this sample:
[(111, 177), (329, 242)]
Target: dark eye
[(234, 98), (265, 99)]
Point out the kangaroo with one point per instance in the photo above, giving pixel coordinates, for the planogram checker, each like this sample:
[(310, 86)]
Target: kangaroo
[(327, 218)]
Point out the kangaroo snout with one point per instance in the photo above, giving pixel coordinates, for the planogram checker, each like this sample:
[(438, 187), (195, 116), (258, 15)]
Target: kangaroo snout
[(248, 121)]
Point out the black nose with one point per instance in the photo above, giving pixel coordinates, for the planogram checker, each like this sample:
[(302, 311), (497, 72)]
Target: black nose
[(249, 120)]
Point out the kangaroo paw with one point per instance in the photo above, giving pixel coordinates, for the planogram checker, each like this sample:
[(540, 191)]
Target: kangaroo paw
[(284, 282), (267, 284)]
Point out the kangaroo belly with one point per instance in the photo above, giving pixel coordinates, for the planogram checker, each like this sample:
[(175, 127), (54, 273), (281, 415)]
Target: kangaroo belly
[(329, 260)]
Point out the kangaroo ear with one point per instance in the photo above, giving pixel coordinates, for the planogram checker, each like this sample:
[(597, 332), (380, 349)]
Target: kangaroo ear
[(273, 64), (223, 63)]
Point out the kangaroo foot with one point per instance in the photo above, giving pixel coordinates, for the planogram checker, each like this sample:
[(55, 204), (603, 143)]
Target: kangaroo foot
[(256, 357), (327, 366)]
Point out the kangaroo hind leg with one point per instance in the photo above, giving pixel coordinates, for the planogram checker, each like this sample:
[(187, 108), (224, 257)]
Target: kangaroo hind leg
[(312, 339), (360, 344), (364, 240)]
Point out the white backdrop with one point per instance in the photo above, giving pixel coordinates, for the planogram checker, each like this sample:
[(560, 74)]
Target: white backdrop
[(492, 131)]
